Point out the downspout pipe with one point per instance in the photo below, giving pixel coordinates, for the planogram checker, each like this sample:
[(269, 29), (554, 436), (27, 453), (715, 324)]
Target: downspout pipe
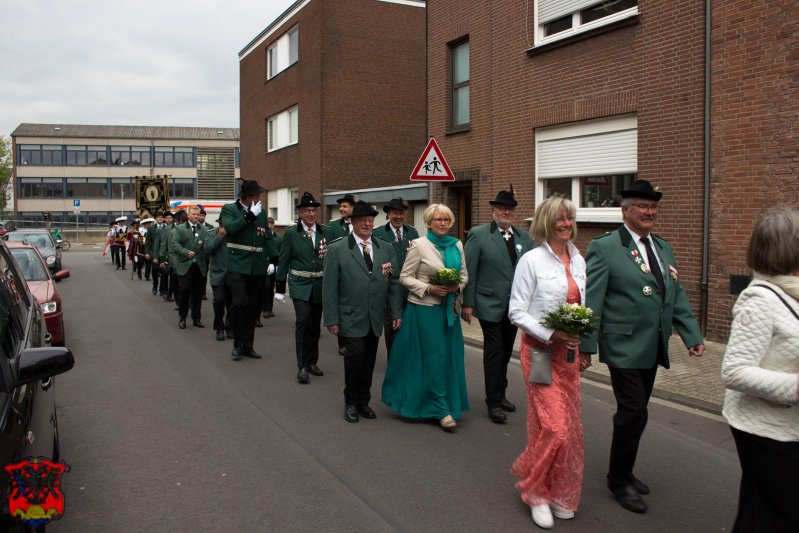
[(703, 309)]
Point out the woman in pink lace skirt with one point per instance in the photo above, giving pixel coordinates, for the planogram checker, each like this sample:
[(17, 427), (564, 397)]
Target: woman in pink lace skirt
[(551, 466)]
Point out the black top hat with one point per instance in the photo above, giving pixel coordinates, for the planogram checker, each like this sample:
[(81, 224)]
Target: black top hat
[(396, 203), (362, 209), (346, 198), (250, 187), (507, 198), (307, 200), (201, 208), (642, 189)]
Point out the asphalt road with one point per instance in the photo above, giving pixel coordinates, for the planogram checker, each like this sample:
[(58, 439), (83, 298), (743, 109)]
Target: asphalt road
[(165, 433)]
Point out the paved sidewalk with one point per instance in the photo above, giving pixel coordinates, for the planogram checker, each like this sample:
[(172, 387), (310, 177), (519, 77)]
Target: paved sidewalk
[(692, 381)]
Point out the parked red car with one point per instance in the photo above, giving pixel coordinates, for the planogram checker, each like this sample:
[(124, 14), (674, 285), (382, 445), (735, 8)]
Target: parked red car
[(41, 283)]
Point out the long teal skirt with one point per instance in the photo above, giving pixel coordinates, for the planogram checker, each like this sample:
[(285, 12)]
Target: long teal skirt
[(425, 377)]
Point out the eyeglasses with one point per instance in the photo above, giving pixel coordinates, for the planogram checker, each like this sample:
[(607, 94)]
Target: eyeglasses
[(504, 209), (647, 207), (441, 220)]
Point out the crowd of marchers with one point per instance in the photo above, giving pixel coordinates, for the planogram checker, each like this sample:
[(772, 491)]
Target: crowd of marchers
[(363, 281)]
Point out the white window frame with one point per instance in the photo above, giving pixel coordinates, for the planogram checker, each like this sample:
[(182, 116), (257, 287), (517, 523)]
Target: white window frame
[(583, 129), (577, 28), (283, 53), (281, 202), (282, 130)]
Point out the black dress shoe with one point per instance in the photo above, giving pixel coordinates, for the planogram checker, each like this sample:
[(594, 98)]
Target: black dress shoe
[(302, 376), (235, 354), (342, 351), (507, 406), (197, 324), (315, 370), (252, 353), (366, 412), (629, 498), (258, 323), (229, 333), (182, 324), (350, 413), (220, 335), (640, 486), (155, 291), (268, 314), (497, 415)]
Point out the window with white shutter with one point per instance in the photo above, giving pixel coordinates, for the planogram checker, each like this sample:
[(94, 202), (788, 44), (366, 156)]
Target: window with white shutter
[(558, 19)]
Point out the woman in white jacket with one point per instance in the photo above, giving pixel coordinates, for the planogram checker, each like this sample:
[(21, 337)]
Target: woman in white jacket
[(551, 466), (761, 372)]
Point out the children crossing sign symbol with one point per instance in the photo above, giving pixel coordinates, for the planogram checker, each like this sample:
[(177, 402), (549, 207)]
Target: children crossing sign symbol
[(432, 166)]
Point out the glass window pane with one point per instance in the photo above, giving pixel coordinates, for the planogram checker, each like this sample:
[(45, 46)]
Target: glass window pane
[(294, 45), (558, 186), (460, 63), (293, 125), (460, 106), (558, 25), (605, 9)]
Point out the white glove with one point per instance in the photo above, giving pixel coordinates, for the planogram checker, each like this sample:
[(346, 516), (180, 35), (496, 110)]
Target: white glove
[(281, 298), (256, 208), (270, 269)]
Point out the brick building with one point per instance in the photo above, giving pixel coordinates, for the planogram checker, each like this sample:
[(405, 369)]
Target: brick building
[(581, 97), (332, 100), (57, 166)]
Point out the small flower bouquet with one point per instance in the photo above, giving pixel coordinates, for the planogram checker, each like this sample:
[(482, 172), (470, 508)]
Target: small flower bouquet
[(446, 277), (574, 319), (386, 269)]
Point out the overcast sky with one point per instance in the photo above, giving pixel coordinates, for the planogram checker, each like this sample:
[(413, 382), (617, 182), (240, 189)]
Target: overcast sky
[(144, 63)]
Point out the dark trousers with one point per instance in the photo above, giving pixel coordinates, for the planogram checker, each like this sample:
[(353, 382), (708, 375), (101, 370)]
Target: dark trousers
[(307, 320), (767, 500), (498, 339), (172, 290), (118, 255), (190, 291), (359, 364), (221, 304), (269, 294), (156, 274), (148, 265), (164, 275), (246, 292), (632, 388)]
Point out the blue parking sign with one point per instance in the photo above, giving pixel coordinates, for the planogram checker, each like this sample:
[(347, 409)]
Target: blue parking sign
[(76, 203)]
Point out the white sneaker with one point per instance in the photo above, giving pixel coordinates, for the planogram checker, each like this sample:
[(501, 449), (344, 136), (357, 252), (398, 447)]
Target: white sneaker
[(561, 512), (542, 516)]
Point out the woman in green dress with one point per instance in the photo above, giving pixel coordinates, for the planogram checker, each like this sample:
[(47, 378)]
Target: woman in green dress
[(425, 376)]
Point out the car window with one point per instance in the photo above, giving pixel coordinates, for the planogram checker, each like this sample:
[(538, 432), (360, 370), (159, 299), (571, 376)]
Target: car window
[(14, 306), (29, 263)]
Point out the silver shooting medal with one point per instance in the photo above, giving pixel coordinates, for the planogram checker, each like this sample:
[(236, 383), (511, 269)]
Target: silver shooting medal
[(647, 290), (644, 268)]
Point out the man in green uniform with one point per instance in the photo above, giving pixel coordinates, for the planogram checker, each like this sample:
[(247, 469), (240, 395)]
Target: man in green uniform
[(161, 280), (168, 259), (400, 236), (361, 280), (273, 256), (302, 252), (245, 224), (216, 250), (188, 241), (492, 251), (342, 227), (633, 286)]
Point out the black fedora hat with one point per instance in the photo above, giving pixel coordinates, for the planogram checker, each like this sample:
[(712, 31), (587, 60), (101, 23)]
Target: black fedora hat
[(642, 189), (307, 200), (250, 187), (346, 198), (168, 214), (507, 198), (362, 209), (396, 204)]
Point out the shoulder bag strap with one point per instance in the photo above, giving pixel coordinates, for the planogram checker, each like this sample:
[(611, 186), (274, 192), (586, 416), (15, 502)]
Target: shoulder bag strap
[(781, 299)]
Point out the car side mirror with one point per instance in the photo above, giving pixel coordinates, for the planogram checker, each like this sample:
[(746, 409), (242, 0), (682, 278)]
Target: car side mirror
[(42, 363), (61, 274)]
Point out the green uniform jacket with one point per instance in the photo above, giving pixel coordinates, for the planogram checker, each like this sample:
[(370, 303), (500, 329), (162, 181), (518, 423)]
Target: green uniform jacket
[(216, 251), (272, 248), (183, 242), (353, 298), (298, 253), (387, 234), (164, 245), (337, 230), (490, 270), (150, 241), (634, 315), (251, 235)]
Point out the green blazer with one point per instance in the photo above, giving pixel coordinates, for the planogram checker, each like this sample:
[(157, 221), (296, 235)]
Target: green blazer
[(634, 313), (299, 254), (164, 246), (183, 242), (247, 241), (353, 298), (490, 270), (387, 234), (150, 240), (337, 230), (216, 252)]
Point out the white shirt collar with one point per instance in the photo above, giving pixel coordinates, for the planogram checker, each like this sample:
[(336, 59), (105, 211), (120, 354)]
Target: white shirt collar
[(312, 229), (358, 240)]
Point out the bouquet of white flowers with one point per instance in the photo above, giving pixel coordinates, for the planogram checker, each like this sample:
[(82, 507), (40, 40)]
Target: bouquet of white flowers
[(574, 319)]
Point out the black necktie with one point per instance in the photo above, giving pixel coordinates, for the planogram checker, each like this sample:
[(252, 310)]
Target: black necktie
[(194, 230), (654, 266), (507, 236), (366, 257), (347, 226), (399, 235)]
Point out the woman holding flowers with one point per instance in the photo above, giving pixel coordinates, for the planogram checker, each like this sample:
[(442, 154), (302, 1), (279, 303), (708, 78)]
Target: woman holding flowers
[(550, 275), (425, 377)]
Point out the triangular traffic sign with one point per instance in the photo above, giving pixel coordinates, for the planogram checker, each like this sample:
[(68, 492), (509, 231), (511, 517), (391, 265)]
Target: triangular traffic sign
[(432, 166)]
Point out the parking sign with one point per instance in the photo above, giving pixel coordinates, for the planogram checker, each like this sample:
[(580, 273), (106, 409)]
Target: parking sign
[(75, 203)]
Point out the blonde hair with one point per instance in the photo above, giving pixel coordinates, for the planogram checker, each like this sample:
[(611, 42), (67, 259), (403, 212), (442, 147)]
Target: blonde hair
[(543, 225), (431, 211), (774, 246)]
